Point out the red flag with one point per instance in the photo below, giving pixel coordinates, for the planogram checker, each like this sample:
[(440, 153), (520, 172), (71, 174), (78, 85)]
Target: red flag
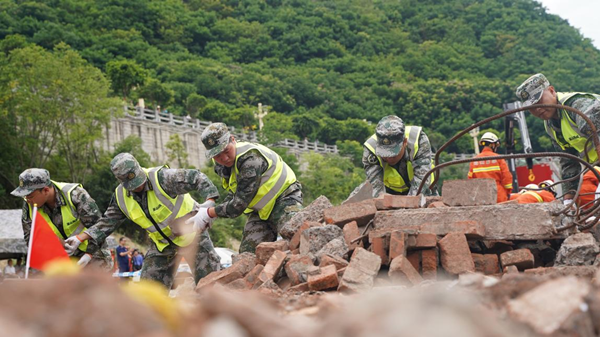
[(44, 244)]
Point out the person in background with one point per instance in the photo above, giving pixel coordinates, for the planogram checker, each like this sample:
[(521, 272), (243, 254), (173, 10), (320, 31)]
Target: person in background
[(492, 169), (123, 255), (544, 193), (136, 260), (9, 270)]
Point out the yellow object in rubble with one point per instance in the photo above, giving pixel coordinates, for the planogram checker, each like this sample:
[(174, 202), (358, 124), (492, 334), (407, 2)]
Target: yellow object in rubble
[(61, 267), (156, 297)]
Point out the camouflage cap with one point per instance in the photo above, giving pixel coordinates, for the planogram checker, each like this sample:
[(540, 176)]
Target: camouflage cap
[(129, 172), (215, 138), (530, 91), (390, 135), (30, 180)]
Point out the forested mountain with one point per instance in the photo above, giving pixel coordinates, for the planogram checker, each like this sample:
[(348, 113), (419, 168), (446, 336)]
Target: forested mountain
[(323, 67)]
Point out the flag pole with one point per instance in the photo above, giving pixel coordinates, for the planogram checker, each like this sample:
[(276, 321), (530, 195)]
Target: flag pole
[(30, 240)]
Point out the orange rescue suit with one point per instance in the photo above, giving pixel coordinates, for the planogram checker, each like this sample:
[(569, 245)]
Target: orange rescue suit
[(494, 169), (588, 189), (532, 197)]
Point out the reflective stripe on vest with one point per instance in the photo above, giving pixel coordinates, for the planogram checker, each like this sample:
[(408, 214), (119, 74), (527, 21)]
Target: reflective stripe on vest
[(569, 130), (71, 224), (163, 210), (392, 178), (535, 195), (273, 182)]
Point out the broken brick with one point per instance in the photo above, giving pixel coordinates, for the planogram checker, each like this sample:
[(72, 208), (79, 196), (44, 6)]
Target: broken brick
[(486, 263), (273, 267), (455, 254), (391, 201), (337, 261), (397, 244), (327, 279), (402, 271), (264, 250), (361, 271), (252, 276), (351, 233), (425, 240), (361, 212), (298, 267), (429, 263), (380, 245), (521, 258)]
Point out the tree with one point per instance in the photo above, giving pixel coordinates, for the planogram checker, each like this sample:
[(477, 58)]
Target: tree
[(176, 151), (59, 105), (157, 93), (125, 75)]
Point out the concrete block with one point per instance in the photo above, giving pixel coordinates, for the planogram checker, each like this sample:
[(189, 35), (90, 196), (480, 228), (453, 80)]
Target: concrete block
[(315, 238), (470, 192), (579, 249), (295, 241)]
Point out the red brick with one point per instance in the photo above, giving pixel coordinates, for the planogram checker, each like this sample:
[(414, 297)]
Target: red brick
[(299, 287), (521, 258), (390, 201), (380, 245), (429, 263), (328, 279), (486, 263), (455, 254), (297, 268), (239, 284), (224, 276), (284, 283), (510, 270), (470, 192), (402, 271), (379, 204), (264, 250), (295, 241), (252, 276), (351, 232), (397, 245), (273, 267), (361, 271), (337, 261), (437, 204), (361, 212), (414, 258), (425, 240)]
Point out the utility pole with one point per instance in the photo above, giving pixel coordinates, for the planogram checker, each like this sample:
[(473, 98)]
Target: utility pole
[(475, 134), (260, 114)]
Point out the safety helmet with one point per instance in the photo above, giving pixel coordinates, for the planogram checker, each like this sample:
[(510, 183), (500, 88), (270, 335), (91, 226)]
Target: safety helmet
[(489, 137), (547, 185), (529, 188)]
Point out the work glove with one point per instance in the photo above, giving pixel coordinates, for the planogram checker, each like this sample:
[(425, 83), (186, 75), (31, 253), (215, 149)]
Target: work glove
[(71, 244), (207, 204), (567, 202), (84, 260), (201, 221)]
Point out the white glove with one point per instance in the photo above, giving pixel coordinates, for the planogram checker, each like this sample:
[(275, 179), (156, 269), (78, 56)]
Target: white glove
[(567, 202), (207, 204), (201, 221), (84, 260), (71, 244), (597, 193)]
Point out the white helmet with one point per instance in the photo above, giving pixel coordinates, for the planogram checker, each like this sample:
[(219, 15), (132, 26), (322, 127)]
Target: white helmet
[(545, 185), (489, 137), (528, 188)]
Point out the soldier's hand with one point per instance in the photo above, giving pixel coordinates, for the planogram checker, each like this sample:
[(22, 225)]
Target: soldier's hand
[(207, 204), (201, 221), (84, 260), (71, 244)]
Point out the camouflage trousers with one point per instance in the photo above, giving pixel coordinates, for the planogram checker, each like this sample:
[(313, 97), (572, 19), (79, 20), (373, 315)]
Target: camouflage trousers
[(257, 230), (200, 255)]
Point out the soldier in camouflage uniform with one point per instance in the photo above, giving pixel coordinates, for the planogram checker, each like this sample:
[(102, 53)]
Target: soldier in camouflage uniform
[(569, 131), (259, 182), (397, 157), (158, 200), (68, 209)]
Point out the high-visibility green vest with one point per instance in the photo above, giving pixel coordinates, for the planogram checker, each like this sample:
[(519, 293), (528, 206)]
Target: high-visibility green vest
[(273, 182), (570, 132), (163, 209), (70, 219), (392, 178)]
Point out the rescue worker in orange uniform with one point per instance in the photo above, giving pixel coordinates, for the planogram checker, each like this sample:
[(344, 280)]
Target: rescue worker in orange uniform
[(495, 169), (514, 196), (587, 193), (546, 193)]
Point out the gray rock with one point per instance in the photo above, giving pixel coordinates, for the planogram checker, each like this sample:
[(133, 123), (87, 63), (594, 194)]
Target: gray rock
[(312, 212), (315, 238), (335, 247), (579, 249)]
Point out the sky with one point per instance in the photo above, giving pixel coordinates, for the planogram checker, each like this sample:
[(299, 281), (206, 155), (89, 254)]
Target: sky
[(582, 14)]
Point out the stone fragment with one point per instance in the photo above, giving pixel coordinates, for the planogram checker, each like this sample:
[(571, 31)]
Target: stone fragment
[(486, 264), (455, 254), (264, 250), (327, 279), (336, 247), (298, 268), (510, 270), (312, 212), (555, 306), (402, 271), (315, 238), (579, 249), (362, 192), (469, 192), (252, 276), (361, 271), (521, 258), (361, 212), (295, 241)]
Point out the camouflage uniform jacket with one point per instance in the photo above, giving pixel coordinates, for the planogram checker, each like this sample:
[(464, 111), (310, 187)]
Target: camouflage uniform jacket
[(421, 164), (173, 181), (590, 106), (251, 166), (85, 206)]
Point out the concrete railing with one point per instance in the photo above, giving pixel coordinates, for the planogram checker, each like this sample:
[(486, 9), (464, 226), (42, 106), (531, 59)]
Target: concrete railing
[(194, 123)]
